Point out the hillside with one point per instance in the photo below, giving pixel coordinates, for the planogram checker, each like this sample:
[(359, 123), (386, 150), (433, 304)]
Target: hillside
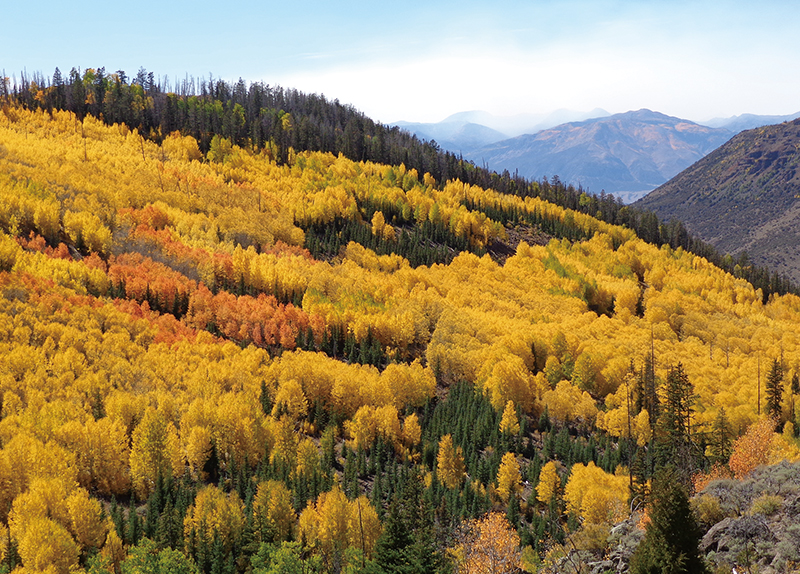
[(744, 197), (235, 358), (625, 154)]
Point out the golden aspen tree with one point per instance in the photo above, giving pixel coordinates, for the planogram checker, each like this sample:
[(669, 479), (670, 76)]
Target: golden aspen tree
[(363, 427), (102, 453), (549, 483), (332, 524), (86, 520), (291, 400), (509, 423), (378, 224), (388, 424), (47, 545), (323, 526), (215, 514), (363, 526), (198, 450), (307, 457), (285, 441), (273, 514), (595, 495), (449, 463), (509, 477), (752, 448), (155, 450), (491, 546), (113, 548), (412, 431)]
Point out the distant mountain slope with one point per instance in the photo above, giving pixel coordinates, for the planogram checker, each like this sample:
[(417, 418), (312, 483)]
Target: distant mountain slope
[(454, 136), (744, 196), (744, 122), (621, 154), (464, 132)]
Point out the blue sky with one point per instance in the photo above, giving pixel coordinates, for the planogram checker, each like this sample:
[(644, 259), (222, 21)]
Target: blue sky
[(424, 60)]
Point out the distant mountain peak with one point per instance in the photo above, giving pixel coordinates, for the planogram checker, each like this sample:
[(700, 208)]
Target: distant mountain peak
[(627, 154)]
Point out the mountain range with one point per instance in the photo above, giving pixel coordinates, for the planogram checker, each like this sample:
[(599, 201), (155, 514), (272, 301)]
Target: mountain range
[(464, 132), (625, 154), (744, 196)]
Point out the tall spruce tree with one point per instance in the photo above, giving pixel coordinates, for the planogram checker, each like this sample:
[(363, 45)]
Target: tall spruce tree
[(774, 389), (407, 544), (673, 434), (671, 541)]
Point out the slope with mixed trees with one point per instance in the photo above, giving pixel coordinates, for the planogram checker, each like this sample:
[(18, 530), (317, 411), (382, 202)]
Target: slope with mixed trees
[(744, 197), (631, 152), (256, 359)]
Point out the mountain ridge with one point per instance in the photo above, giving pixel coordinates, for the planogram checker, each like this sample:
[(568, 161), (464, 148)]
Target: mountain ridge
[(622, 154), (744, 196)]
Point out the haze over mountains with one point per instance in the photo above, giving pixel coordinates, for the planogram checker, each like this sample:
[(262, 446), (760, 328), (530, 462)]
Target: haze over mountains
[(744, 196), (465, 132), (625, 154)]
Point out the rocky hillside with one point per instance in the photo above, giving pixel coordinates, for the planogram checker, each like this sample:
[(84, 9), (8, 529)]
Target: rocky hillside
[(745, 196), (624, 154)]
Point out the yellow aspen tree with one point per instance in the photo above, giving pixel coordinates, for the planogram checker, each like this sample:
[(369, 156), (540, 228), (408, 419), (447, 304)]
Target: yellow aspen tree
[(363, 526), (307, 457), (509, 477), (412, 431), (215, 514), (198, 450), (388, 424), (155, 450), (549, 483), (752, 448), (86, 521), (491, 546), (596, 495), (509, 423), (291, 400), (113, 549), (363, 427), (47, 545), (378, 223), (449, 463), (323, 525), (273, 514)]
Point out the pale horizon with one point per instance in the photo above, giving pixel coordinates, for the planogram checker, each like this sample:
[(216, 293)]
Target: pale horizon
[(425, 61)]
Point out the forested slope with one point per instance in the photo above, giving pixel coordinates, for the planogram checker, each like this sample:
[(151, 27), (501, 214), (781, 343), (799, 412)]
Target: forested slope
[(202, 366), (278, 120)]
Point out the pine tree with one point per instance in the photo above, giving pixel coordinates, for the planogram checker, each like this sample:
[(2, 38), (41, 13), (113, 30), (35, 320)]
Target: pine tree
[(673, 442), (774, 389), (407, 544), (721, 442), (671, 540)]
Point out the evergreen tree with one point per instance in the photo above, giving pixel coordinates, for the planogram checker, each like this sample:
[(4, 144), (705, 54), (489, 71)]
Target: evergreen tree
[(671, 541), (407, 544), (646, 391), (673, 435), (774, 389), (721, 442)]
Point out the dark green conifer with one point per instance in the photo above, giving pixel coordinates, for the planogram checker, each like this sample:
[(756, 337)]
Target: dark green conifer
[(671, 541), (774, 389)]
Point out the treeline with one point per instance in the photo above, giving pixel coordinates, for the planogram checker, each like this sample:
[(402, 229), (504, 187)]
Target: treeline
[(281, 120)]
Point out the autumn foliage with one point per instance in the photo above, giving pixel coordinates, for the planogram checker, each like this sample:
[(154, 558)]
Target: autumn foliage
[(174, 361)]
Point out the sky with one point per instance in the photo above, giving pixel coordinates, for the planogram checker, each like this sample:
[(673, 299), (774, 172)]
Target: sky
[(422, 61)]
